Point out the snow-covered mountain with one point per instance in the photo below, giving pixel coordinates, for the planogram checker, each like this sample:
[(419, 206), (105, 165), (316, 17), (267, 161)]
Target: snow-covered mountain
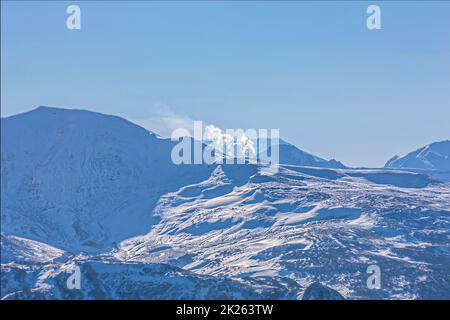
[(292, 155), (435, 156), (84, 181), (96, 191)]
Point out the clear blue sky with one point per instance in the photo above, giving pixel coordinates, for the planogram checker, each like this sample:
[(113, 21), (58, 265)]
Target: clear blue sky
[(313, 70)]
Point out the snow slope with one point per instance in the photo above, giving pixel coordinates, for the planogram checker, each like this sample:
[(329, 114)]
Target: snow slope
[(309, 224), (106, 280), (100, 192), (83, 181), (435, 156)]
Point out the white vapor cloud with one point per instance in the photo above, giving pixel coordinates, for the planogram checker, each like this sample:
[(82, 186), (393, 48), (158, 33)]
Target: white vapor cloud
[(164, 121), (224, 141)]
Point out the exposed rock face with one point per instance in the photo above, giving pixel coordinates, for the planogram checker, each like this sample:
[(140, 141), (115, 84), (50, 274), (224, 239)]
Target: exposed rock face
[(317, 291), (106, 280)]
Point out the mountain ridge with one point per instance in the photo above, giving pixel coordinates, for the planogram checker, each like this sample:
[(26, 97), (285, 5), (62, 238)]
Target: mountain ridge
[(94, 191), (433, 156)]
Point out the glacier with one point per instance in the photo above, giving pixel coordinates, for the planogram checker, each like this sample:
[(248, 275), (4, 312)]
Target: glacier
[(97, 191)]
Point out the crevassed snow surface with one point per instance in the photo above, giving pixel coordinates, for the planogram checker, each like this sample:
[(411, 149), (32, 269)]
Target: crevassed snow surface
[(100, 192)]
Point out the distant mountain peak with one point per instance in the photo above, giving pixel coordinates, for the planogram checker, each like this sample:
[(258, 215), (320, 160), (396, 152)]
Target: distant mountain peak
[(434, 156), (292, 155)]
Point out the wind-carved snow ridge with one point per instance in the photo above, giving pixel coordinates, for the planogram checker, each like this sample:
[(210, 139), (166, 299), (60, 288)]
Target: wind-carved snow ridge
[(323, 227), (81, 188)]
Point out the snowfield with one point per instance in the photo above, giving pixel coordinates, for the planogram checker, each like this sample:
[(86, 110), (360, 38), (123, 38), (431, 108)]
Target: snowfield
[(96, 191)]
